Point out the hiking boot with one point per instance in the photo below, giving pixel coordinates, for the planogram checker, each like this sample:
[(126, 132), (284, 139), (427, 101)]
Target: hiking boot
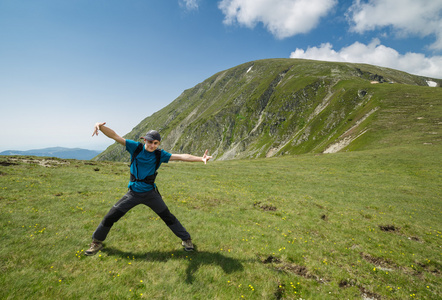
[(95, 247), (188, 246)]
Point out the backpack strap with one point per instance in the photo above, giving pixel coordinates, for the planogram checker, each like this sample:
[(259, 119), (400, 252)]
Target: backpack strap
[(151, 178), (158, 159), (136, 152)]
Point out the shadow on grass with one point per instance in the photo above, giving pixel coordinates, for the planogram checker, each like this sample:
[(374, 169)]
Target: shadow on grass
[(195, 259)]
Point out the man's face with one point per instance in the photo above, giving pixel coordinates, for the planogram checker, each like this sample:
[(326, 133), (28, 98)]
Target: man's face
[(151, 145)]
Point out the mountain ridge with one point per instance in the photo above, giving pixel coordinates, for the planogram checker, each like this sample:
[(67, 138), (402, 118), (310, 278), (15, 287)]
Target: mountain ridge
[(276, 107), (59, 152)]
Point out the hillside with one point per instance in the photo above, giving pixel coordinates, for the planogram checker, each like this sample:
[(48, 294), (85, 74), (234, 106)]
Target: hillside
[(276, 107)]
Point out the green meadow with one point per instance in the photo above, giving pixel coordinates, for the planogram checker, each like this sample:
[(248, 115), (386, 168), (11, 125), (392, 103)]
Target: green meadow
[(352, 225)]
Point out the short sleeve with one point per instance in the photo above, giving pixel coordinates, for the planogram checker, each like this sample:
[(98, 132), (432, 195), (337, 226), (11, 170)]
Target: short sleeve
[(131, 146), (165, 156)]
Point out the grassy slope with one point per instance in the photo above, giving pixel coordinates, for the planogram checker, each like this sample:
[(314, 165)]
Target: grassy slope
[(310, 226)]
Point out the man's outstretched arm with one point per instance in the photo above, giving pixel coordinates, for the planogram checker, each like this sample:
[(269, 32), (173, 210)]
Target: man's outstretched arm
[(108, 132), (187, 157)]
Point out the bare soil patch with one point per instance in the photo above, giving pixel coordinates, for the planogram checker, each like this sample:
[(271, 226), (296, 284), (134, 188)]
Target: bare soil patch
[(265, 207), (379, 262), (389, 228), (299, 270), (7, 163), (44, 162), (367, 295)]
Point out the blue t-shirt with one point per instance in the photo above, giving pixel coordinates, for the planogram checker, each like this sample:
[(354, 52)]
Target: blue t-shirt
[(143, 166)]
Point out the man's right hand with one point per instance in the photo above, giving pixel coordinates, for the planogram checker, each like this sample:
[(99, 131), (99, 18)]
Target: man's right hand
[(97, 128)]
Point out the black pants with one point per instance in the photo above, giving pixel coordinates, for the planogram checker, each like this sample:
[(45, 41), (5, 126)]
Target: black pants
[(151, 199)]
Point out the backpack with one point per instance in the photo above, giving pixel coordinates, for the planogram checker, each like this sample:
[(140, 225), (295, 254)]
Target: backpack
[(151, 178)]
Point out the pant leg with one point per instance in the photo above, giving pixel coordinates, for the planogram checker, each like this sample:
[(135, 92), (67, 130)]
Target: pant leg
[(123, 205), (156, 203)]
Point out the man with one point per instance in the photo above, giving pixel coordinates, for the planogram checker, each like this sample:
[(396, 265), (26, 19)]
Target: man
[(142, 189)]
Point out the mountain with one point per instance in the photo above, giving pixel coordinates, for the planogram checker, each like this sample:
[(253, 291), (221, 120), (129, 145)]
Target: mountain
[(66, 153), (279, 107)]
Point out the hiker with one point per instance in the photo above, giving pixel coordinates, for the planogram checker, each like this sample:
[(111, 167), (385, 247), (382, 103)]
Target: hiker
[(146, 159)]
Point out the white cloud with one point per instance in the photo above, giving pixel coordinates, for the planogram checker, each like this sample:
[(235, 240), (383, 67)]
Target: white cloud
[(283, 18), (376, 54), (189, 4), (406, 17)]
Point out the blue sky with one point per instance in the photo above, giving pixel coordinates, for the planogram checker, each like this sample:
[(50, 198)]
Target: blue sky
[(65, 65)]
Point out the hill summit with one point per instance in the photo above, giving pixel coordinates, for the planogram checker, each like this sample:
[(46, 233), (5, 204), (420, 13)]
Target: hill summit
[(277, 107)]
